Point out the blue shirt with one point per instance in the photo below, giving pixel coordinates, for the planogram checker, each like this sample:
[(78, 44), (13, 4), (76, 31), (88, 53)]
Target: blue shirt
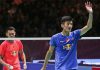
[(65, 50)]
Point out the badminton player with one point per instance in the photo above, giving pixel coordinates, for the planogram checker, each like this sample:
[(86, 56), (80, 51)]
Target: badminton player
[(10, 50), (65, 43)]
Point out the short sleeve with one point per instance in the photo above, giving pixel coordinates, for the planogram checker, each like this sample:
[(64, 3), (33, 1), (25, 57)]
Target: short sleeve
[(2, 48), (77, 34), (52, 41), (20, 44)]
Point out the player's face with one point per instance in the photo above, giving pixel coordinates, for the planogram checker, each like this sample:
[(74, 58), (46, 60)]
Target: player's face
[(67, 26), (10, 33)]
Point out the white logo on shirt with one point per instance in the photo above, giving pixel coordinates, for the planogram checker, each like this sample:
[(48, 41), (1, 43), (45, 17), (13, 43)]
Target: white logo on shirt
[(61, 41)]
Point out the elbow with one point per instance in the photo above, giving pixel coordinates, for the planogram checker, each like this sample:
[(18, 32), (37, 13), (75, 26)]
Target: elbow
[(89, 27)]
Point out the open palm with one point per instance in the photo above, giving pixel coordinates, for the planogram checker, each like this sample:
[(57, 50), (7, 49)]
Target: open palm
[(88, 6)]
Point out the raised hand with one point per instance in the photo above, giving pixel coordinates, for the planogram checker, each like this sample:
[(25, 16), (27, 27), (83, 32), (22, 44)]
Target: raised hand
[(88, 6)]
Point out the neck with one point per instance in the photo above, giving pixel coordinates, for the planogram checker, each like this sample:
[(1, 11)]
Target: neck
[(65, 33), (11, 41)]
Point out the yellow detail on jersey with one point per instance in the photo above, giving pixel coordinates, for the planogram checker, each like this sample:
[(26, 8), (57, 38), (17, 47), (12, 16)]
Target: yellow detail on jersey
[(67, 47), (14, 53)]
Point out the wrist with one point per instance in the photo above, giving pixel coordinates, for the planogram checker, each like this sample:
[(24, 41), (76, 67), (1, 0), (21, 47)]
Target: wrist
[(24, 64), (9, 66), (90, 12), (6, 64), (44, 66)]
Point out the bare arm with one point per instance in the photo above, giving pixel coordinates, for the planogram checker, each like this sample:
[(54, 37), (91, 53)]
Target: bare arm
[(88, 6), (23, 57), (1, 57), (4, 63), (47, 57)]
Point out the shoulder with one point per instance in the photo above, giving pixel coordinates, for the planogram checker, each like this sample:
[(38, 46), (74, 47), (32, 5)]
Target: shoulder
[(18, 40), (75, 32), (56, 35), (4, 42)]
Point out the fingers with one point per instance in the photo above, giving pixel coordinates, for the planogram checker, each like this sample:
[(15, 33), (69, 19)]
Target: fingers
[(88, 4), (25, 66), (10, 67)]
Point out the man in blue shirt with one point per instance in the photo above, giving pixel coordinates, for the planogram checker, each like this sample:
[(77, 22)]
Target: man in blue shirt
[(65, 43)]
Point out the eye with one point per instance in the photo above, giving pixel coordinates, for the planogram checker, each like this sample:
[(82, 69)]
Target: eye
[(71, 23)]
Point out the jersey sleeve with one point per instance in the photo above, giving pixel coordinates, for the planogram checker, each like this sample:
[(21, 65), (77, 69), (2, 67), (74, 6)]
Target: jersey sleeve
[(20, 45), (2, 48), (77, 34), (52, 41)]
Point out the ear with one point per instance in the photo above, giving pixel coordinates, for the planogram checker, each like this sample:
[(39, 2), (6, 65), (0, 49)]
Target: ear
[(62, 25), (6, 34), (15, 33)]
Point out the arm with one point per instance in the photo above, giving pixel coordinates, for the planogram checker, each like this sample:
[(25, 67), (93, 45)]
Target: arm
[(22, 54), (88, 6), (1, 57), (47, 57), (2, 62), (5, 64), (23, 57)]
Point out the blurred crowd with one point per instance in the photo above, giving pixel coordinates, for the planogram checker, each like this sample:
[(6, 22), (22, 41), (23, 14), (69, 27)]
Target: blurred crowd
[(40, 18)]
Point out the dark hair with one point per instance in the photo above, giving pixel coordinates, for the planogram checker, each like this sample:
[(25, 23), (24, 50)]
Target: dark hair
[(66, 18), (10, 28)]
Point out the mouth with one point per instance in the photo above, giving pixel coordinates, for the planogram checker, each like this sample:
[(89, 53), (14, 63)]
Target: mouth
[(69, 28)]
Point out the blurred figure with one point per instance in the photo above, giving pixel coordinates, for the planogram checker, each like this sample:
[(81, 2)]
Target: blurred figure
[(9, 51)]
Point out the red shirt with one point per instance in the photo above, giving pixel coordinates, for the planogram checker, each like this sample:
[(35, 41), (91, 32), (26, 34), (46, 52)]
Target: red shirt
[(9, 51)]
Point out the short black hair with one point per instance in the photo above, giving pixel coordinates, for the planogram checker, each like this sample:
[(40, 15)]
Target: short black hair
[(10, 28), (66, 18)]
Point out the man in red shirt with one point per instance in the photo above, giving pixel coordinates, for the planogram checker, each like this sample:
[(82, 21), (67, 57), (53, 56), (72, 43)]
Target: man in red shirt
[(10, 51)]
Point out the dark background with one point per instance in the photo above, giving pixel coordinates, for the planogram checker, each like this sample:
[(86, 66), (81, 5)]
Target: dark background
[(40, 18)]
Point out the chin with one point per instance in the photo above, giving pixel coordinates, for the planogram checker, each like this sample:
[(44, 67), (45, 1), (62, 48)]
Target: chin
[(12, 36), (68, 30)]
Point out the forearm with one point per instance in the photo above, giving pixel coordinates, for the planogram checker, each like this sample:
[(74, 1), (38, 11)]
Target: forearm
[(89, 23), (88, 26), (48, 56), (23, 57), (3, 62)]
